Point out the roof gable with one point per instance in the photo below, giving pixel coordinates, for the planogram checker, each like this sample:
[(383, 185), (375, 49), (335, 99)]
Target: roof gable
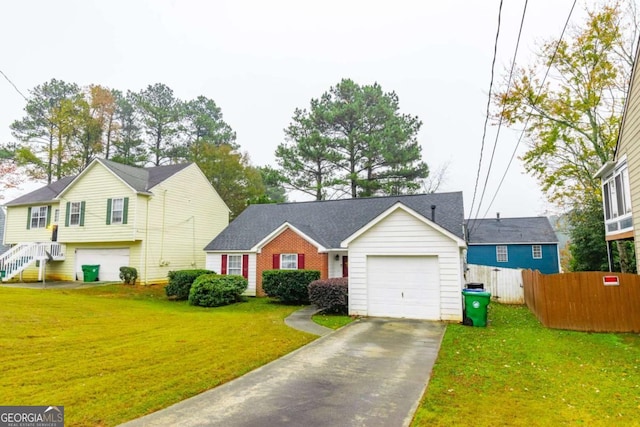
[(278, 231), (511, 230), (330, 222), (391, 210)]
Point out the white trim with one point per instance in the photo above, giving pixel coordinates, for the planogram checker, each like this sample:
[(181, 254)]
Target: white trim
[(605, 169), (513, 243), (399, 205), (275, 233)]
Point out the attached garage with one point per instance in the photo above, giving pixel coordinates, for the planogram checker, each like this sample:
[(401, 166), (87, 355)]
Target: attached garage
[(403, 286), (109, 259), (404, 265)]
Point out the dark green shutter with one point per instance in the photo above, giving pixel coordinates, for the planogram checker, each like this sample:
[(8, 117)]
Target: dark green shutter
[(66, 214), (82, 205), (48, 215), (108, 211), (125, 210), (29, 218)]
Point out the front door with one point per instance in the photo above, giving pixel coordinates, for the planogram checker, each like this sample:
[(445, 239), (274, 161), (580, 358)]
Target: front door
[(345, 266)]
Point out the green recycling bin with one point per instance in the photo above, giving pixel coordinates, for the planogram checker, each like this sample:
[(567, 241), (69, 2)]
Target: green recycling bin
[(475, 305), (90, 272)]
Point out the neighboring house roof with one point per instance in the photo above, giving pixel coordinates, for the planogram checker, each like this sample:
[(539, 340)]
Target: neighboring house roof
[(510, 230), (140, 179), (3, 248), (329, 222)]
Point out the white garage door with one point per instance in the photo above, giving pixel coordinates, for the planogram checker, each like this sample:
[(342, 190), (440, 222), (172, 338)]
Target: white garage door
[(403, 286), (109, 260)]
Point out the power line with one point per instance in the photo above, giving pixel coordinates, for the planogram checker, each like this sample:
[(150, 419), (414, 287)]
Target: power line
[(535, 101), (495, 143), (14, 86), (486, 121)]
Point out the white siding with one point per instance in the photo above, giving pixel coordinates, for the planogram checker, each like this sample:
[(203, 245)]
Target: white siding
[(335, 267), (402, 234), (214, 263)]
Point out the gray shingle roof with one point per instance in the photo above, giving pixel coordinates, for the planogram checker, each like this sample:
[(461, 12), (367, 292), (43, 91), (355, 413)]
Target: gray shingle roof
[(142, 180), (3, 248), (511, 230), (330, 222)]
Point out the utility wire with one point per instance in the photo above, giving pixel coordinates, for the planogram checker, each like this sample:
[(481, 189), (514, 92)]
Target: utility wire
[(14, 86), (535, 101), (495, 143), (486, 121)]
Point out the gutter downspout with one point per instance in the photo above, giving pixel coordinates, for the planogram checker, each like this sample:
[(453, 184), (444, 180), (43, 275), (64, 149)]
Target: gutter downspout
[(146, 242)]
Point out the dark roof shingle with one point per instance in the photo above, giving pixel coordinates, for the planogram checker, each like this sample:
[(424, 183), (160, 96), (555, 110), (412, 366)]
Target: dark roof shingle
[(329, 222), (511, 230), (142, 180)]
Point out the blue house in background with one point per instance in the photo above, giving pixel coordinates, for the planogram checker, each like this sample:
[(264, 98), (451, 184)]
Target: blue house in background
[(513, 243)]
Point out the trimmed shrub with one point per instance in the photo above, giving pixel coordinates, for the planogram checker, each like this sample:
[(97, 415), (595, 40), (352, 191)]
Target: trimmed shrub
[(212, 290), (289, 286), (128, 275), (180, 282), (330, 295)]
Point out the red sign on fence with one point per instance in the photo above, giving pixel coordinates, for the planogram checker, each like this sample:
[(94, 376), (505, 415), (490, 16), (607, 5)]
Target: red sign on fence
[(610, 280)]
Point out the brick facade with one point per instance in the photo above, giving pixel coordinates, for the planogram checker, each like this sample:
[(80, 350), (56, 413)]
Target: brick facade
[(288, 242)]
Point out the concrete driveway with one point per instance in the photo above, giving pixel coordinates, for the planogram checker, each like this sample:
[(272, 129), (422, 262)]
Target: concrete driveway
[(372, 372)]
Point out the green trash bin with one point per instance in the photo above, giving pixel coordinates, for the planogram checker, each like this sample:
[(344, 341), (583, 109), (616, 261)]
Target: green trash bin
[(90, 272), (475, 305)]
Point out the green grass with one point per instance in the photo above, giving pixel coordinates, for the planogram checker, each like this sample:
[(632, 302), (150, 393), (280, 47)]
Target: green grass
[(516, 372), (333, 321), (113, 353)]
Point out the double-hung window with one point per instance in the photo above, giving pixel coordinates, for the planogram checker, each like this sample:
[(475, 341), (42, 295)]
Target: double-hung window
[(117, 210), (536, 251), (38, 217), (288, 261), (74, 213), (502, 254), (234, 264)]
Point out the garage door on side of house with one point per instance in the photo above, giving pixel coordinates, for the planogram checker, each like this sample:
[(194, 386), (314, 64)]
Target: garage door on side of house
[(403, 286), (109, 259)]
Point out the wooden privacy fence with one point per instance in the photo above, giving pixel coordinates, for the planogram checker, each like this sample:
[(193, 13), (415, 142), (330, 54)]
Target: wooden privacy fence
[(582, 301), (505, 284)]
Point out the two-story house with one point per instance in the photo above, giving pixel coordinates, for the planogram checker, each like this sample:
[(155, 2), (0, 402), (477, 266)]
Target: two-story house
[(621, 176), (155, 219)]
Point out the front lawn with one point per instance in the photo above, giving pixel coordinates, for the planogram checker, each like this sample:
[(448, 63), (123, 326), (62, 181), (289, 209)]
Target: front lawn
[(113, 353), (516, 372), (333, 321)]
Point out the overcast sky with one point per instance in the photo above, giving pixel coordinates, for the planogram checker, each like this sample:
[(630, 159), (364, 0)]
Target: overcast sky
[(259, 60)]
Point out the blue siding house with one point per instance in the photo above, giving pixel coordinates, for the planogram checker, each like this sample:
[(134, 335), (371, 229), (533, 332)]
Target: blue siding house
[(513, 243)]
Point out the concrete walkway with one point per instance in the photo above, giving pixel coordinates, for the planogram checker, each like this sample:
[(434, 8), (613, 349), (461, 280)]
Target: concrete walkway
[(301, 320), (371, 372)]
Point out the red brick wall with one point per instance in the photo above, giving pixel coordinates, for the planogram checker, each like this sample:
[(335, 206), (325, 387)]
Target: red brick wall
[(288, 242)]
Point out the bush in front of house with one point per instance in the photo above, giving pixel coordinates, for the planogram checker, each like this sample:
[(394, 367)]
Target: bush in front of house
[(330, 295), (212, 290), (180, 282), (289, 286), (128, 275)]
